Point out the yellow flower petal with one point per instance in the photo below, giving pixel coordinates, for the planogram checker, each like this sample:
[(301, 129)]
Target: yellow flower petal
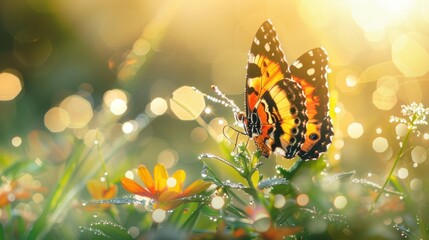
[(161, 176), (95, 188), (196, 187), (98, 189), (147, 178), (111, 192), (169, 200), (180, 176), (168, 196), (134, 188)]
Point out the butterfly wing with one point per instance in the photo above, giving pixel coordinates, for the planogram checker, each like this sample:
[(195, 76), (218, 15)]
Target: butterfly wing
[(310, 71), (275, 105)]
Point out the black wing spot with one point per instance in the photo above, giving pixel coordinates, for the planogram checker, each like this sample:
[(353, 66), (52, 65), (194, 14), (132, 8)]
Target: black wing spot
[(294, 131), (293, 110), (253, 71), (297, 121)]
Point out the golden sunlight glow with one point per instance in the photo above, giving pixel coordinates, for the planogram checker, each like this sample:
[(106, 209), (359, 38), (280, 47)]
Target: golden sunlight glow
[(355, 130), (318, 13), (187, 104), (79, 111), (10, 85), (217, 202), (410, 55), (16, 141), (158, 106), (56, 119), (377, 15)]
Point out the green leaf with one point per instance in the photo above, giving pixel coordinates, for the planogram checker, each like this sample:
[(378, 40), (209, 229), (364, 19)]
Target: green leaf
[(339, 177), (2, 232), (189, 224), (43, 224), (20, 167), (209, 211), (17, 227), (113, 230), (92, 233), (271, 182), (236, 211)]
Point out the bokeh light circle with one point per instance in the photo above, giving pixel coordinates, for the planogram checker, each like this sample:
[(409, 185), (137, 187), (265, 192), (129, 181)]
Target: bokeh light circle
[(187, 104), (355, 130), (419, 154), (158, 106), (78, 109), (10, 85), (380, 144), (56, 119)]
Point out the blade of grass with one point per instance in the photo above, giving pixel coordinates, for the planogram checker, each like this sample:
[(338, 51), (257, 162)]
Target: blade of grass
[(43, 224)]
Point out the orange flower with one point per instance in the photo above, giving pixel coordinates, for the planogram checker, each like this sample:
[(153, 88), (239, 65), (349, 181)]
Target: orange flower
[(165, 191), (99, 191), (11, 192)]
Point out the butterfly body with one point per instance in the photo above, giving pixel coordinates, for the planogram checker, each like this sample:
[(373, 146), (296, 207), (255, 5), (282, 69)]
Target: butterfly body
[(286, 107)]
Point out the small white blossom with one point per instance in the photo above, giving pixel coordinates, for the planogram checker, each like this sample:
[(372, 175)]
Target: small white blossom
[(415, 114)]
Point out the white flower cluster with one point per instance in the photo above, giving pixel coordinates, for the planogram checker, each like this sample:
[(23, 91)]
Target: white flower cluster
[(415, 114)]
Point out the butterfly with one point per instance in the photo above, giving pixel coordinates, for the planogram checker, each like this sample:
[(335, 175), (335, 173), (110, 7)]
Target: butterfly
[(286, 107)]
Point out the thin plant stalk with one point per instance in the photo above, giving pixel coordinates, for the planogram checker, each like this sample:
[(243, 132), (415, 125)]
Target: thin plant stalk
[(401, 151)]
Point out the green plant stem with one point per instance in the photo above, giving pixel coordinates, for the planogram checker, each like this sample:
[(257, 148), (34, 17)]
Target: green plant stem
[(103, 163), (154, 226), (422, 227), (401, 151)]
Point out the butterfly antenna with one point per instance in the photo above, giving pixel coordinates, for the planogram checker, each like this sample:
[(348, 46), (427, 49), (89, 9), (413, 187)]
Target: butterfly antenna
[(224, 100), (236, 137)]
